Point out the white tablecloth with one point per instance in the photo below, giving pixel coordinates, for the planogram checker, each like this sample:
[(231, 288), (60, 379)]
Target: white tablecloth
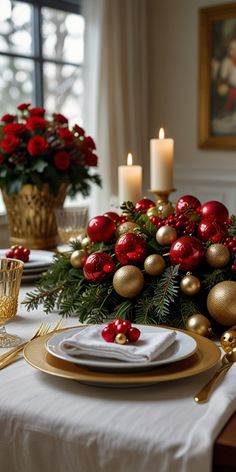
[(51, 424)]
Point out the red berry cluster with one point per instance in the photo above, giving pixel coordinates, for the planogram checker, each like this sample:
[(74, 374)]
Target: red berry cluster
[(230, 243), (18, 252), (181, 222), (112, 331)]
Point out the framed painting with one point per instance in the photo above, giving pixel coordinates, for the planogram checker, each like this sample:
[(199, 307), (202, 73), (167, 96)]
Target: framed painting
[(217, 77)]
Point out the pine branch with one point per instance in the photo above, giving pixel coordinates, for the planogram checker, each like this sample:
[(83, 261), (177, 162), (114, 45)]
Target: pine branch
[(165, 293), (42, 296), (212, 278), (124, 310)]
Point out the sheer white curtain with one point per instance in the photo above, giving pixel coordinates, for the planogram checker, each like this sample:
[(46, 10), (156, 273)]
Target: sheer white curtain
[(115, 77)]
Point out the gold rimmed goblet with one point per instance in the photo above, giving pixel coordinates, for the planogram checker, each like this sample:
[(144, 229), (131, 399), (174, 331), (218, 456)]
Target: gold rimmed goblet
[(10, 280)]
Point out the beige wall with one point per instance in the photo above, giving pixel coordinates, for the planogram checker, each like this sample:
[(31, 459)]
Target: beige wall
[(173, 99)]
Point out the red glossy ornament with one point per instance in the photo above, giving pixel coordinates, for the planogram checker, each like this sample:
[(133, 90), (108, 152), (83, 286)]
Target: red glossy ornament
[(187, 203), (113, 216), (101, 228), (188, 252), (144, 204), (108, 333), (211, 230), (133, 334), (98, 266), (122, 326), (130, 248), (214, 210)]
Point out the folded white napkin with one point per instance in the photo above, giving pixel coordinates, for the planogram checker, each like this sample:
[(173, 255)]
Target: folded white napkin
[(89, 342)]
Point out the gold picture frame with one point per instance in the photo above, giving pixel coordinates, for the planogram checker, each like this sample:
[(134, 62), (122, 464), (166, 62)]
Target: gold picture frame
[(217, 77)]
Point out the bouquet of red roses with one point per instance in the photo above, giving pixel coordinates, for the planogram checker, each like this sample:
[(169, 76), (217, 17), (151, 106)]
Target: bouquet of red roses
[(39, 150)]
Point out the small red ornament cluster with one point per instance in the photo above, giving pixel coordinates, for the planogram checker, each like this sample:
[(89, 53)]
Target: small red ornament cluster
[(18, 252), (112, 331)]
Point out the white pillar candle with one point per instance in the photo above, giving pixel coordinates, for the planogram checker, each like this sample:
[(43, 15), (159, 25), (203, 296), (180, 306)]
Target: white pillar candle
[(161, 153), (129, 182)]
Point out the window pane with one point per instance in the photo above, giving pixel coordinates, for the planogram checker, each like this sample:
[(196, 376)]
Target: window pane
[(63, 90), (15, 27), (16, 81), (63, 35)]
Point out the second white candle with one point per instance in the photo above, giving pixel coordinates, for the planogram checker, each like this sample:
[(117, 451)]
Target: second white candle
[(129, 182)]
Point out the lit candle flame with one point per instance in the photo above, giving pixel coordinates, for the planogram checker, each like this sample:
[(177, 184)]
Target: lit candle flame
[(129, 159), (161, 134)]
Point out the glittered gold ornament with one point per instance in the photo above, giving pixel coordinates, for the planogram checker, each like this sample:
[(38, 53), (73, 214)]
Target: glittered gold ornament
[(128, 281), (153, 211), (120, 338), (127, 227), (221, 302), (166, 235), (78, 258), (154, 264), (165, 210), (86, 243), (190, 285), (217, 255), (199, 324), (228, 339)]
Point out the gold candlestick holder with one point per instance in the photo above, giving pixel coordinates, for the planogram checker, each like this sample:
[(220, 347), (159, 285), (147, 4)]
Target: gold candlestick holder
[(163, 205)]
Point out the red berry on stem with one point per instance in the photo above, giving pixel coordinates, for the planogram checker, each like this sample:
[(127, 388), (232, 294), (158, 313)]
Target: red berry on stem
[(108, 333), (122, 327), (10, 253), (133, 334)]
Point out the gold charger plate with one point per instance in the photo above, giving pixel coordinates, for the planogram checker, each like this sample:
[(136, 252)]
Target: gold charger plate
[(206, 357)]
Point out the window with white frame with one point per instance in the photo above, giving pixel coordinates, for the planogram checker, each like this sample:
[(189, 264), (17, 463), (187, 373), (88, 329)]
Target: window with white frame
[(41, 56)]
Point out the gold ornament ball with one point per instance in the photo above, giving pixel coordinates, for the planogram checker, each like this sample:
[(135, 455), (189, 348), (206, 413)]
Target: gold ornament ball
[(153, 211), (217, 255), (121, 338), (165, 210), (166, 235), (190, 285), (128, 281), (78, 258), (86, 243), (228, 339), (199, 324), (154, 264), (221, 302), (127, 227)]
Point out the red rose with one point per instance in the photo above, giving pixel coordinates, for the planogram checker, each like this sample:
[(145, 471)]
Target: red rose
[(65, 134), (37, 145), (79, 130), (62, 160), (1, 158), (23, 106), (10, 143), (36, 122), (14, 128), (8, 118), (91, 159), (89, 142), (37, 111), (60, 118)]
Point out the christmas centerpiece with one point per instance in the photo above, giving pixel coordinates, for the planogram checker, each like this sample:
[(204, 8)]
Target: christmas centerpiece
[(146, 266), (41, 161)]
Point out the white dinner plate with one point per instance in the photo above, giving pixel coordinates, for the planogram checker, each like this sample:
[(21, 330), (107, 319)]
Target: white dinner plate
[(184, 346), (37, 259)]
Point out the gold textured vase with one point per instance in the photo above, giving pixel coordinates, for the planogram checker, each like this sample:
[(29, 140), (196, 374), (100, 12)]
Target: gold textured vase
[(31, 218)]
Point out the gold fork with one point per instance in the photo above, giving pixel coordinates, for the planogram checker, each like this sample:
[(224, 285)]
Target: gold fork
[(12, 355)]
